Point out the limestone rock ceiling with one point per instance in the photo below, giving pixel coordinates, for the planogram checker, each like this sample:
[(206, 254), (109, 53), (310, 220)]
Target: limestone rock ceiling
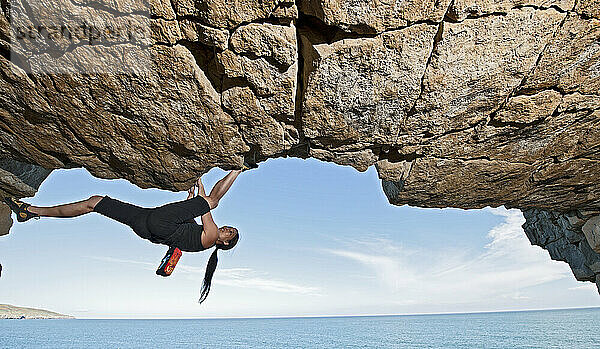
[(462, 103)]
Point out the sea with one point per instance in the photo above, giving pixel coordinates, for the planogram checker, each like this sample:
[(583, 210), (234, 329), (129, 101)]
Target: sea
[(572, 328)]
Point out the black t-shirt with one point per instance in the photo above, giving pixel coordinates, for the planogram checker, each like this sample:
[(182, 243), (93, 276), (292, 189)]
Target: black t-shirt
[(188, 237)]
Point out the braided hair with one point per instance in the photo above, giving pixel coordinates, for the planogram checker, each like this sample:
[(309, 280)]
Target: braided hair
[(212, 266)]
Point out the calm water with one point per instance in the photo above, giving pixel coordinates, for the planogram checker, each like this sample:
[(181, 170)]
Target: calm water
[(536, 329)]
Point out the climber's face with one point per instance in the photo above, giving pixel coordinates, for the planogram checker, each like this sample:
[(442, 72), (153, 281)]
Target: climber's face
[(227, 235)]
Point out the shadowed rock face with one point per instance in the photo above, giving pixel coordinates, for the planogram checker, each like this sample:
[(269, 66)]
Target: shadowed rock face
[(17, 179), (6, 221), (464, 103), (572, 237)]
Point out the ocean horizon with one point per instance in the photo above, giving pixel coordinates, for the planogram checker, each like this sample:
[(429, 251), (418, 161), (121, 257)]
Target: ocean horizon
[(316, 316), (553, 328)]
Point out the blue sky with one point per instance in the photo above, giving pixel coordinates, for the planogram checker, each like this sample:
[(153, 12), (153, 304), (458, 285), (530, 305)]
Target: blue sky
[(316, 239)]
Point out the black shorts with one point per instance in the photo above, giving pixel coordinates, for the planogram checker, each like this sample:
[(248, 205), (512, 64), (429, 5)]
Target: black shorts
[(171, 224), (131, 215)]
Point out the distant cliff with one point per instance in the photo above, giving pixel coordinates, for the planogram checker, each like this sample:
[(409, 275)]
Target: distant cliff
[(12, 312)]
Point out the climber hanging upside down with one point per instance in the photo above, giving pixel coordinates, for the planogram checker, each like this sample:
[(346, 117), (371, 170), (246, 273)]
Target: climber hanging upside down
[(171, 224)]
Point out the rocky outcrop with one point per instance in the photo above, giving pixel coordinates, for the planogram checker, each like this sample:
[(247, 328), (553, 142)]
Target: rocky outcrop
[(591, 230), (20, 179), (572, 237), (17, 179), (6, 221), (464, 103), (550, 164)]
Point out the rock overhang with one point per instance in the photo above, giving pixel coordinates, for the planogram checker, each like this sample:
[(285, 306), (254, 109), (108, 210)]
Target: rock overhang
[(464, 103)]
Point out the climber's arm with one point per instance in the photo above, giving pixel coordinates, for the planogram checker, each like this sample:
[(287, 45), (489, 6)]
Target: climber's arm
[(220, 188), (210, 232)]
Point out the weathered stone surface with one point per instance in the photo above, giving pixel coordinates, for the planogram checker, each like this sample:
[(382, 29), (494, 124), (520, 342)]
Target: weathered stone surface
[(156, 71), (551, 134), (194, 31), (571, 62), (361, 159), (142, 128), (432, 181), (367, 16), (528, 109), (571, 132), (160, 8), (396, 172), (18, 179), (253, 63), (4, 33), (54, 26), (5, 219), (575, 220), (266, 40), (462, 9), (165, 32), (360, 90), (286, 11), (226, 13), (589, 8), (475, 67), (263, 56), (257, 127), (591, 230), (553, 231)]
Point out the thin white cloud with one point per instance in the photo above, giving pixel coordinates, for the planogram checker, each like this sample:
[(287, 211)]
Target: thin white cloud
[(584, 287), (235, 277), (507, 265), (516, 296), (248, 278), (391, 270), (146, 265)]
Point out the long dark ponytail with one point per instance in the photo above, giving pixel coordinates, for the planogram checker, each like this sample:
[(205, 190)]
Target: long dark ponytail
[(211, 266)]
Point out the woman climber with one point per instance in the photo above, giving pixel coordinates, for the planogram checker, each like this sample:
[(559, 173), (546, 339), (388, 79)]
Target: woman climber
[(171, 224)]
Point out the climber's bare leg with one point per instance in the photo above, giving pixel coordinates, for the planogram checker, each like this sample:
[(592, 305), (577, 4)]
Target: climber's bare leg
[(68, 210)]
